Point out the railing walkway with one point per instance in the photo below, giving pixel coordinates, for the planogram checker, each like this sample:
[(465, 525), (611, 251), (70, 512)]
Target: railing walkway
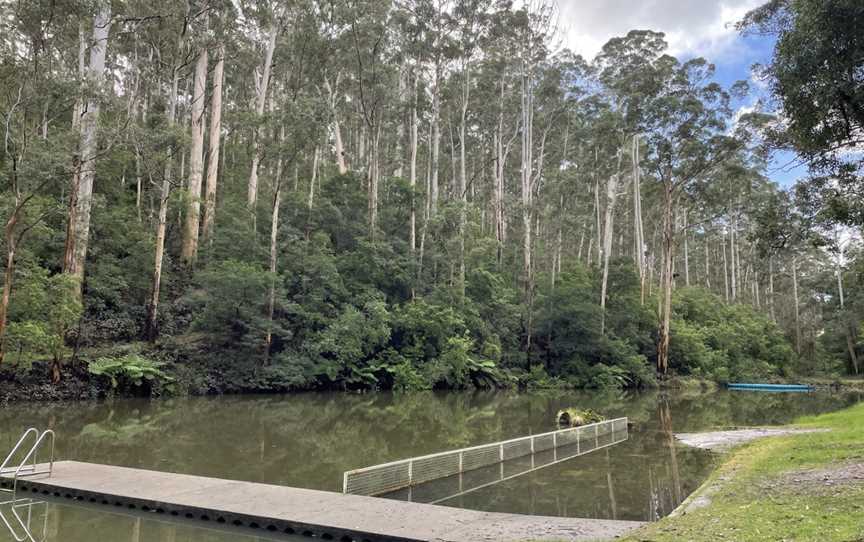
[(289, 510), (445, 489), (396, 475)]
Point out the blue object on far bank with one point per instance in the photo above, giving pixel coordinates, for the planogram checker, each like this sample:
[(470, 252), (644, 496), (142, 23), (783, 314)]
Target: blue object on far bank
[(769, 387)]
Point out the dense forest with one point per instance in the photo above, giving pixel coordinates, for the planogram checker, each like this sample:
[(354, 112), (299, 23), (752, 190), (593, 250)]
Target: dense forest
[(247, 195)]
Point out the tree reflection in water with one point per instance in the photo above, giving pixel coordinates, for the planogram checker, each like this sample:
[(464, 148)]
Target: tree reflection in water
[(308, 440)]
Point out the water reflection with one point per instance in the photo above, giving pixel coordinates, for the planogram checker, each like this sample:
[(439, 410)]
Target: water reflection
[(28, 520), (309, 440), (446, 488), (22, 521)]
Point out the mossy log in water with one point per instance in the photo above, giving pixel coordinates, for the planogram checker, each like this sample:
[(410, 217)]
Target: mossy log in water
[(574, 417)]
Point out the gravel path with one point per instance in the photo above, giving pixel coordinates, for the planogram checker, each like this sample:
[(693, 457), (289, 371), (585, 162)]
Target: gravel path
[(719, 441)]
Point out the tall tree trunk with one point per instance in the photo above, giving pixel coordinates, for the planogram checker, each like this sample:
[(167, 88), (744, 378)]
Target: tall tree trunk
[(151, 329), (337, 129), (82, 74), (138, 181), (189, 251), (686, 252), (666, 276), (274, 231), (707, 263), (850, 330), (463, 175), (527, 171), (311, 199), (771, 288), (262, 83), (725, 272), (436, 142), (796, 304), (638, 227), (213, 151), (374, 177), (608, 232), (413, 170), (81, 196), (733, 256), (599, 229)]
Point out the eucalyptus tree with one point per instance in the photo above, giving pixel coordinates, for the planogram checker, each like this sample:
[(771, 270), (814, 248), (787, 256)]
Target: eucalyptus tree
[(814, 73), (266, 23), (687, 136), (173, 50), (470, 19), (192, 223), (370, 36), (84, 163)]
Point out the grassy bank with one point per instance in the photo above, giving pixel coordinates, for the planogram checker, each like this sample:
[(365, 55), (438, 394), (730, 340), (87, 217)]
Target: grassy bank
[(807, 486)]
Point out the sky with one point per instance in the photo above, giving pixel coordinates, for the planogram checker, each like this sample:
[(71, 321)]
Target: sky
[(693, 28)]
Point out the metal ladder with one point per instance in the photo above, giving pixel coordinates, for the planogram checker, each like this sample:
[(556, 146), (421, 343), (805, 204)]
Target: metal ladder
[(29, 465)]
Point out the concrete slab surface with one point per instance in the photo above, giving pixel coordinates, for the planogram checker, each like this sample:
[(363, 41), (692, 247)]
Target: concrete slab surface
[(719, 441), (327, 515)]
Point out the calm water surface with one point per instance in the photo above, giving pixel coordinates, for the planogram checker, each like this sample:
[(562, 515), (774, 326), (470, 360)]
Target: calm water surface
[(308, 440)]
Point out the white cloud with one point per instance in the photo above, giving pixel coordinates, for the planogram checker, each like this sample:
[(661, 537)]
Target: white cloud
[(692, 27)]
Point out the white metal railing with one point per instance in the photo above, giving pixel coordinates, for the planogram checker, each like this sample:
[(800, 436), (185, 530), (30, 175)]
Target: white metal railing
[(4, 467), (29, 465), (395, 475)]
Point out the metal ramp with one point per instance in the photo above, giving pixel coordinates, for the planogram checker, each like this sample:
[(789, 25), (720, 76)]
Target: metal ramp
[(406, 473), (445, 489), (32, 440)]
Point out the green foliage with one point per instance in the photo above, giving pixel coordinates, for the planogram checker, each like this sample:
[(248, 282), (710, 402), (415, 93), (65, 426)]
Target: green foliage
[(48, 308), (538, 379), (571, 341), (131, 369), (574, 417), (434, 293), (722, 342), (229, 303)]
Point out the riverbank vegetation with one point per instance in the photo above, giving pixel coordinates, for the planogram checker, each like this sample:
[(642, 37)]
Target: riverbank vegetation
[(808, 486), (265, 196)]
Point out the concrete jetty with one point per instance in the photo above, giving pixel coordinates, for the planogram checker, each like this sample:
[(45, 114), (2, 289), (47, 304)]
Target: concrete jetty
[(321, 514)]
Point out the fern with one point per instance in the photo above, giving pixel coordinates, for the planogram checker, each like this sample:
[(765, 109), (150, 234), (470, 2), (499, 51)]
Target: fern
[(130, 368)]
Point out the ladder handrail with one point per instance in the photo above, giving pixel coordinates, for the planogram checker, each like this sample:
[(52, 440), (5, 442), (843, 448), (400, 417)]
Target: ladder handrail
[(31, 453), (18, 445)]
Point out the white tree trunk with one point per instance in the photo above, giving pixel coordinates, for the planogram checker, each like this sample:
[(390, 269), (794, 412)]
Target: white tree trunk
[(796, 304), (413, 170), (337, 129), (262, 83), (274, 232), (463, 175), (436, 142), (213, 151), (151, 327), (686, 252), (608, 230), (81, 196), (189, 251), (725, 272)]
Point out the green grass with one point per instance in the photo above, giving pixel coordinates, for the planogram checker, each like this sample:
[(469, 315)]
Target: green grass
[(754, 497)]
